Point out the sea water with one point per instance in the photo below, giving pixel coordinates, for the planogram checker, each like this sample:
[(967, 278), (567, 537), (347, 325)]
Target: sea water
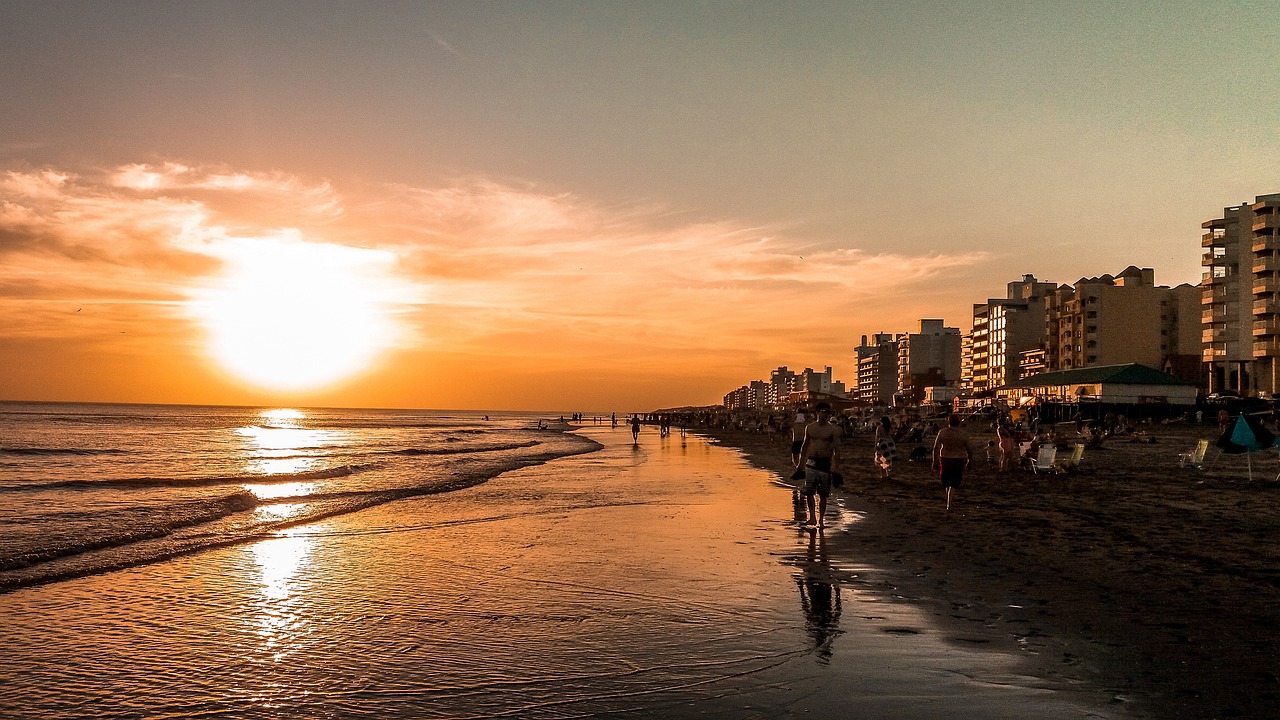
[(87, 488)]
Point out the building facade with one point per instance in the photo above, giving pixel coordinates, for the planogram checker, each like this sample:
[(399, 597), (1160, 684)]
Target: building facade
[(1227, 299), (928, 358), (1005, 327), (1265, 310), (1123, 319), (877, 369)]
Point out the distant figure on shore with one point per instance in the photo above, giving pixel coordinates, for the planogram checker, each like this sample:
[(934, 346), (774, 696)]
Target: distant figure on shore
[(886, 449), (951, 455), (818, 453), (797, 435), (635, 429), (1008, 447), (613, 418)]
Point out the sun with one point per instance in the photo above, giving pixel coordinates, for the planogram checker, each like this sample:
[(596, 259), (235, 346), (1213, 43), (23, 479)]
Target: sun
[(288, 314)]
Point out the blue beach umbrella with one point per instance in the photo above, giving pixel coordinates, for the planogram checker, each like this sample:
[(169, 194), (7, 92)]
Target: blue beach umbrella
[(1246, 435)]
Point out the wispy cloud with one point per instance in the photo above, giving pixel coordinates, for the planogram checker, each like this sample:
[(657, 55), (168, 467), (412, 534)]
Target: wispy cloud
[(484, 269)]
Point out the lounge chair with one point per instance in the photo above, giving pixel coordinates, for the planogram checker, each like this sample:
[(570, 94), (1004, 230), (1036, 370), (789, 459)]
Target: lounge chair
[(1194, 458), (1044, 461), (1073, 462)]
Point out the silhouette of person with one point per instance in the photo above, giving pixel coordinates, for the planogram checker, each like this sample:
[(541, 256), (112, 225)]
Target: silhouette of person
[(635, 429)]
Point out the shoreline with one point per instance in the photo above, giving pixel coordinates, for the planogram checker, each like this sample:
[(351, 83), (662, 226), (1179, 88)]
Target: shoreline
[(1152, 584)]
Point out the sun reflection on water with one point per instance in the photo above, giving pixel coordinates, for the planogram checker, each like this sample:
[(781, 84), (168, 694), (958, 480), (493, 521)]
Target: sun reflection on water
[(278, 511), (279, 623), (280, 445), (280, 490)]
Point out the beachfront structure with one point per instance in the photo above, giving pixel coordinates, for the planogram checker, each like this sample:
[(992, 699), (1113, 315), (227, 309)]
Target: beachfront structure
[(1123, 384), (1107, 320), (810, 382), (877, 369), (930, 357), (1265, 315), (1003, 328), (786, 388), (1227, 299), (966, 364), (782, 381)]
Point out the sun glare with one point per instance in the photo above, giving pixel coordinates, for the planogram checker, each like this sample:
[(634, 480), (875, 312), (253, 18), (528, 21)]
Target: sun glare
[(292, 315)]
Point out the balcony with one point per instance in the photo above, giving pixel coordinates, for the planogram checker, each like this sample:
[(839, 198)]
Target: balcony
[(1212, 240), (1269, 263), (1209, 259), (1266, 285), (1266, 348), (1219, 314), (1215, 294), (1263, 328), (1266, 307), (1265, 244), (1266, 221), (1213, 335)]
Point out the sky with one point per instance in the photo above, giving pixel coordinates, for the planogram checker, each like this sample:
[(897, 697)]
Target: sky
[(584, 206)]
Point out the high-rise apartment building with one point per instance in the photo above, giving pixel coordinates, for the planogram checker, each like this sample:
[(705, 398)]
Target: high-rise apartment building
[(928, 358), (1265, 231), (1123, 319), (1227, 299), (877, 369), (1003, 328)]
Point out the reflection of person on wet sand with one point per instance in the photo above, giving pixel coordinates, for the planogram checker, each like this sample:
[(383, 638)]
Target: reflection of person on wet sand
[(820, 598)]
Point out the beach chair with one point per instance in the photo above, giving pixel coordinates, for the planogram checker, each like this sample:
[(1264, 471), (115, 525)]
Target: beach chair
[(1194, 458), (1044, 461), (1073, 461)]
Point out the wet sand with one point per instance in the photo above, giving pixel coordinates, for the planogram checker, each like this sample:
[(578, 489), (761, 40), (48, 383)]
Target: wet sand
[(1154, 584), (664, 580)]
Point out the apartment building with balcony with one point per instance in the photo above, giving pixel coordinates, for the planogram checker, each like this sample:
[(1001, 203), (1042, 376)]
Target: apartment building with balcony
[(1123, 319), (1264, 228), (1003, 328), (1227, 322), (928, 358), (877, 369)]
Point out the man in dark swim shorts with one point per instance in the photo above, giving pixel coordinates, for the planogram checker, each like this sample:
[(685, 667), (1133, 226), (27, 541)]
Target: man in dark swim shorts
[(818, 458), (951, 455)]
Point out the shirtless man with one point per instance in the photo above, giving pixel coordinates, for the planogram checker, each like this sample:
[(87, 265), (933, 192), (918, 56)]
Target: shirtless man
[(818, 455), (951, 455)]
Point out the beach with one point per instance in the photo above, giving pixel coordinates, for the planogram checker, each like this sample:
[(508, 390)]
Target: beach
[(1155, 584), (662, 579)]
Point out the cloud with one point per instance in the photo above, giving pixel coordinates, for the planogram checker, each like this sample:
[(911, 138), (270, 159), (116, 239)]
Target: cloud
[(478, 267)]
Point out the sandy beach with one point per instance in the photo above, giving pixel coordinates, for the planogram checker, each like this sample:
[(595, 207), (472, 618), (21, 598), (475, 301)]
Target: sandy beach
[(665, 579), (1154, 584)]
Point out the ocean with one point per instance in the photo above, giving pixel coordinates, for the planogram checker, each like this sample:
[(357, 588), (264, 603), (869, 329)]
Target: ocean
[(89, 488)]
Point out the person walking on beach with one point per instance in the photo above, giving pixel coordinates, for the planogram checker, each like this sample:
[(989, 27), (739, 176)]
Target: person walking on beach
[(951, 455), (635, 429), (818, 455), (886, 450), (797, 436)]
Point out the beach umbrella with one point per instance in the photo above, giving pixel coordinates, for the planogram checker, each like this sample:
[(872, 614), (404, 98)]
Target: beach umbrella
[(1246, 435)]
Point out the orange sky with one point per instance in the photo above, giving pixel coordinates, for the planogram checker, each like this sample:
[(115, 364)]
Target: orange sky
[(492, 296), (583, 206)]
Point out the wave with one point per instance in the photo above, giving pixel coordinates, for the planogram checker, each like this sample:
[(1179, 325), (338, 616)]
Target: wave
[(61, 451), (140, 536), (136, 527), (205, 481), (456, 451)]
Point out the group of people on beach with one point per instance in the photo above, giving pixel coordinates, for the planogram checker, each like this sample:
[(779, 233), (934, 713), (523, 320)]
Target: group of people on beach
[(815, 453)]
